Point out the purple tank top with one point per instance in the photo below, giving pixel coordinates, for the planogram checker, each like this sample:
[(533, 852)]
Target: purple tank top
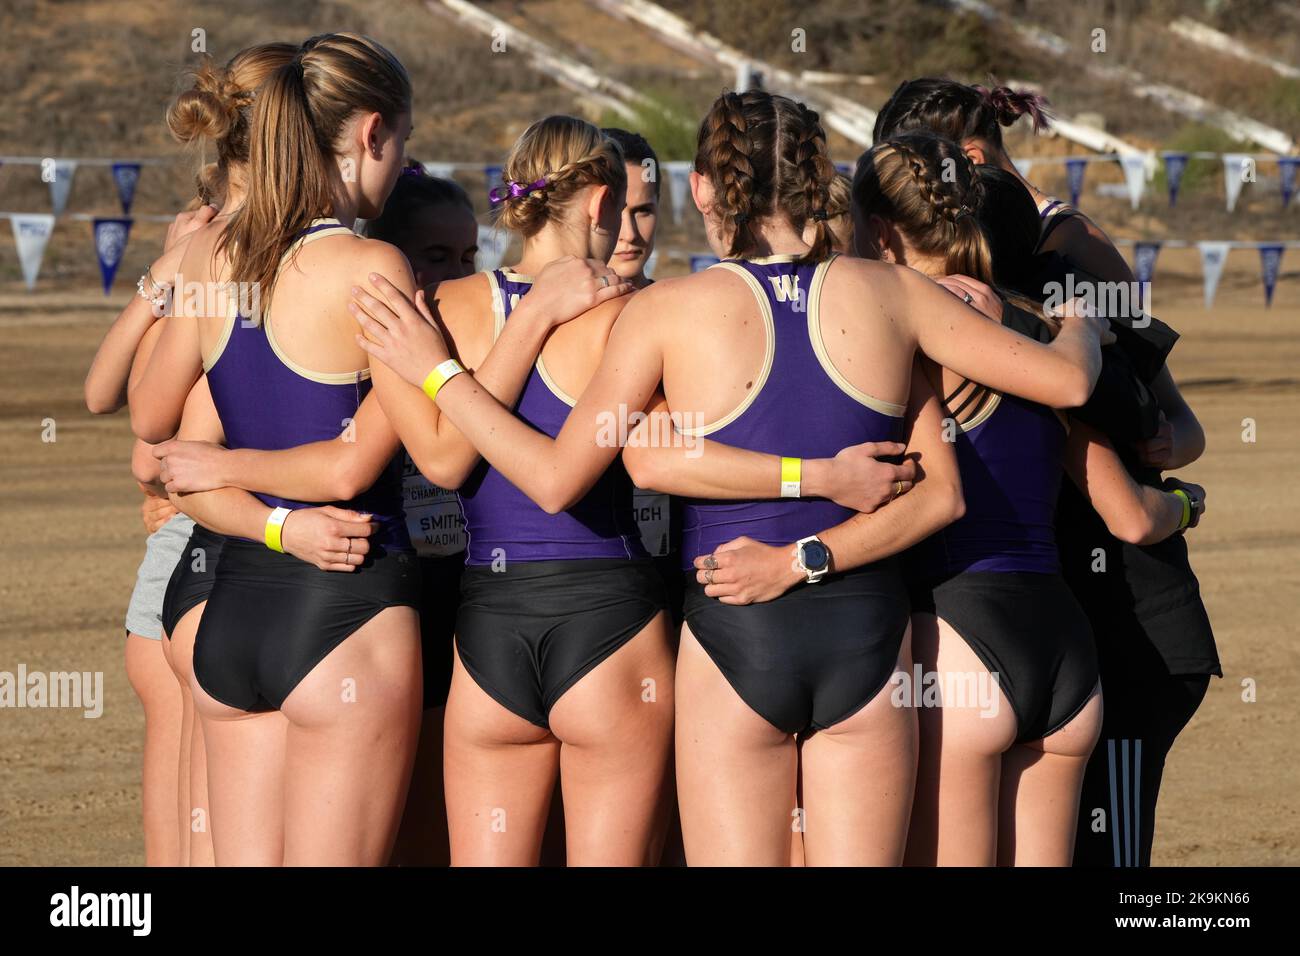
[(501, 521), (800, 406), (1010, 457), (267, 402)]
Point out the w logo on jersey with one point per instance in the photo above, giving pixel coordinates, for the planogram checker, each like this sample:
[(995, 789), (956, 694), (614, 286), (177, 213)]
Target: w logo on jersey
[(786, 288)]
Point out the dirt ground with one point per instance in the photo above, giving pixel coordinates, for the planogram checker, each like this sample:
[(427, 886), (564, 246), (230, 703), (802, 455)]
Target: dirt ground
[(70, 787)]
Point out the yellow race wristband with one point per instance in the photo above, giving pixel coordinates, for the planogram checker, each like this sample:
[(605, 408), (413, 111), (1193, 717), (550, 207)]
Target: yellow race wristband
[(1187, 508), (791, 475), (274, 525), (439, 377)]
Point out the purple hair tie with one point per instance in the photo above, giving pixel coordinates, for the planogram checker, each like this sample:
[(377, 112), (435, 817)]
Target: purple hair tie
[(513, 191)]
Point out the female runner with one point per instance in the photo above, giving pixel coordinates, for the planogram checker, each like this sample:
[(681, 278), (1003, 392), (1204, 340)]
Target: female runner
[(338, 468), (563, 653), (761, 175), (309, 735), (1155, 642), (214, 108)]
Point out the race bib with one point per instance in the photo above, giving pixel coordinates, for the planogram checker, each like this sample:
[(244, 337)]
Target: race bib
[(653, 518), (433, 516)]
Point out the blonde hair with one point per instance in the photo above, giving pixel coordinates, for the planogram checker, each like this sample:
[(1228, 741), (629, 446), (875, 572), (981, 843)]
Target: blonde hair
[(297, 117), (217, 107), (568, 154), (926, 187)]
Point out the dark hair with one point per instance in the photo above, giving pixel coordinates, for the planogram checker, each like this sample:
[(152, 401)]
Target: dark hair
[(927, 188), (765, 155), (415, 190), (956, 111), (1009, 218), (636, 150)]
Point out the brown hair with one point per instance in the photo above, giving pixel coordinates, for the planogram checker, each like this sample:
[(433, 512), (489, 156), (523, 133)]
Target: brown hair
[(569, 154), (766, 155), (218, 107), (297, 117), (927, 188)]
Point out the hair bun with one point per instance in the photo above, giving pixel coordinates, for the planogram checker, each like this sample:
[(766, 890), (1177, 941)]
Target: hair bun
[(1009, 105), (209, 109)]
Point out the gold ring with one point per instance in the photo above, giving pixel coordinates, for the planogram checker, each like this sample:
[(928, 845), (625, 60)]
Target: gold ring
[(349, 547), (898, 488), (708, 576)]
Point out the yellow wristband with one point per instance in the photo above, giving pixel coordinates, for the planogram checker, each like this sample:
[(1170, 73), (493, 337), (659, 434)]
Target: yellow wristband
[(274, 525), (791, 475), (439, 377), (1187, 508)]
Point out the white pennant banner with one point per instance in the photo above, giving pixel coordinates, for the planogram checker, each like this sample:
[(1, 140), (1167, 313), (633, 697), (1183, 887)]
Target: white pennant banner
[(1135, 177), (492, 245), (441, 170), (1213, 256), (1234, 175), (60, 173), (679, 178), (31, 234)]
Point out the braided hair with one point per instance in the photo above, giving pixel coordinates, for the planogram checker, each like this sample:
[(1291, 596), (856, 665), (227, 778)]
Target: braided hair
[(958, 112), (927, 188), (766, 156), (564, 154)]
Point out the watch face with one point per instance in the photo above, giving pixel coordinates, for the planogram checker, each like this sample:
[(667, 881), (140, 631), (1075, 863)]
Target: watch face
[(815, 555)]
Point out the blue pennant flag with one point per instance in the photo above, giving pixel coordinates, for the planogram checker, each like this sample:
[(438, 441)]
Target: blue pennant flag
[(126, 175), (110, 245), (699, 262), (1175, 166), (1286, 169), (1270, 263), (1144, 267), (1074, 170)]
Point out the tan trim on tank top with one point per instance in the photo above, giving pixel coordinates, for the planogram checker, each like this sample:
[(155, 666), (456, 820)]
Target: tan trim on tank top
[(499, 323), (324, 378), (891, 409), (985, 412), (769, 352), (991, 405), (232, 316)]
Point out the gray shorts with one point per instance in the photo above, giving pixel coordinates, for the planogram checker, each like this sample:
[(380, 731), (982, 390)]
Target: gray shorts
[(161, 552)]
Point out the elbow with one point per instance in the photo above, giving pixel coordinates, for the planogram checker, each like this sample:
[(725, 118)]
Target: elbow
[(1134, 527), (640, 467), (348, 483), (1078, 388), (555, 497), (98, 404), (151, 430), (956, 502)]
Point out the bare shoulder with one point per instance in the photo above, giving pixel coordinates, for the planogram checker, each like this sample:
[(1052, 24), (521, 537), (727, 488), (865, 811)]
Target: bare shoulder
[(371, 255), (863, 281), (464, 304)]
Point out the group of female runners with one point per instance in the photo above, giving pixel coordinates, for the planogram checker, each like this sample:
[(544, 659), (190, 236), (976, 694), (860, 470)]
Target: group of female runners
[(404, 579)]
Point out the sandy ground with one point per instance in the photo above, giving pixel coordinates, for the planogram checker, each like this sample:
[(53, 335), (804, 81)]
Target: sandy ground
[(69, 786)]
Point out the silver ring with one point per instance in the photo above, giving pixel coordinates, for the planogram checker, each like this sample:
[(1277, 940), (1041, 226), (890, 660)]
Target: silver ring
[(604, 282), (967, 298), (708, 576)]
